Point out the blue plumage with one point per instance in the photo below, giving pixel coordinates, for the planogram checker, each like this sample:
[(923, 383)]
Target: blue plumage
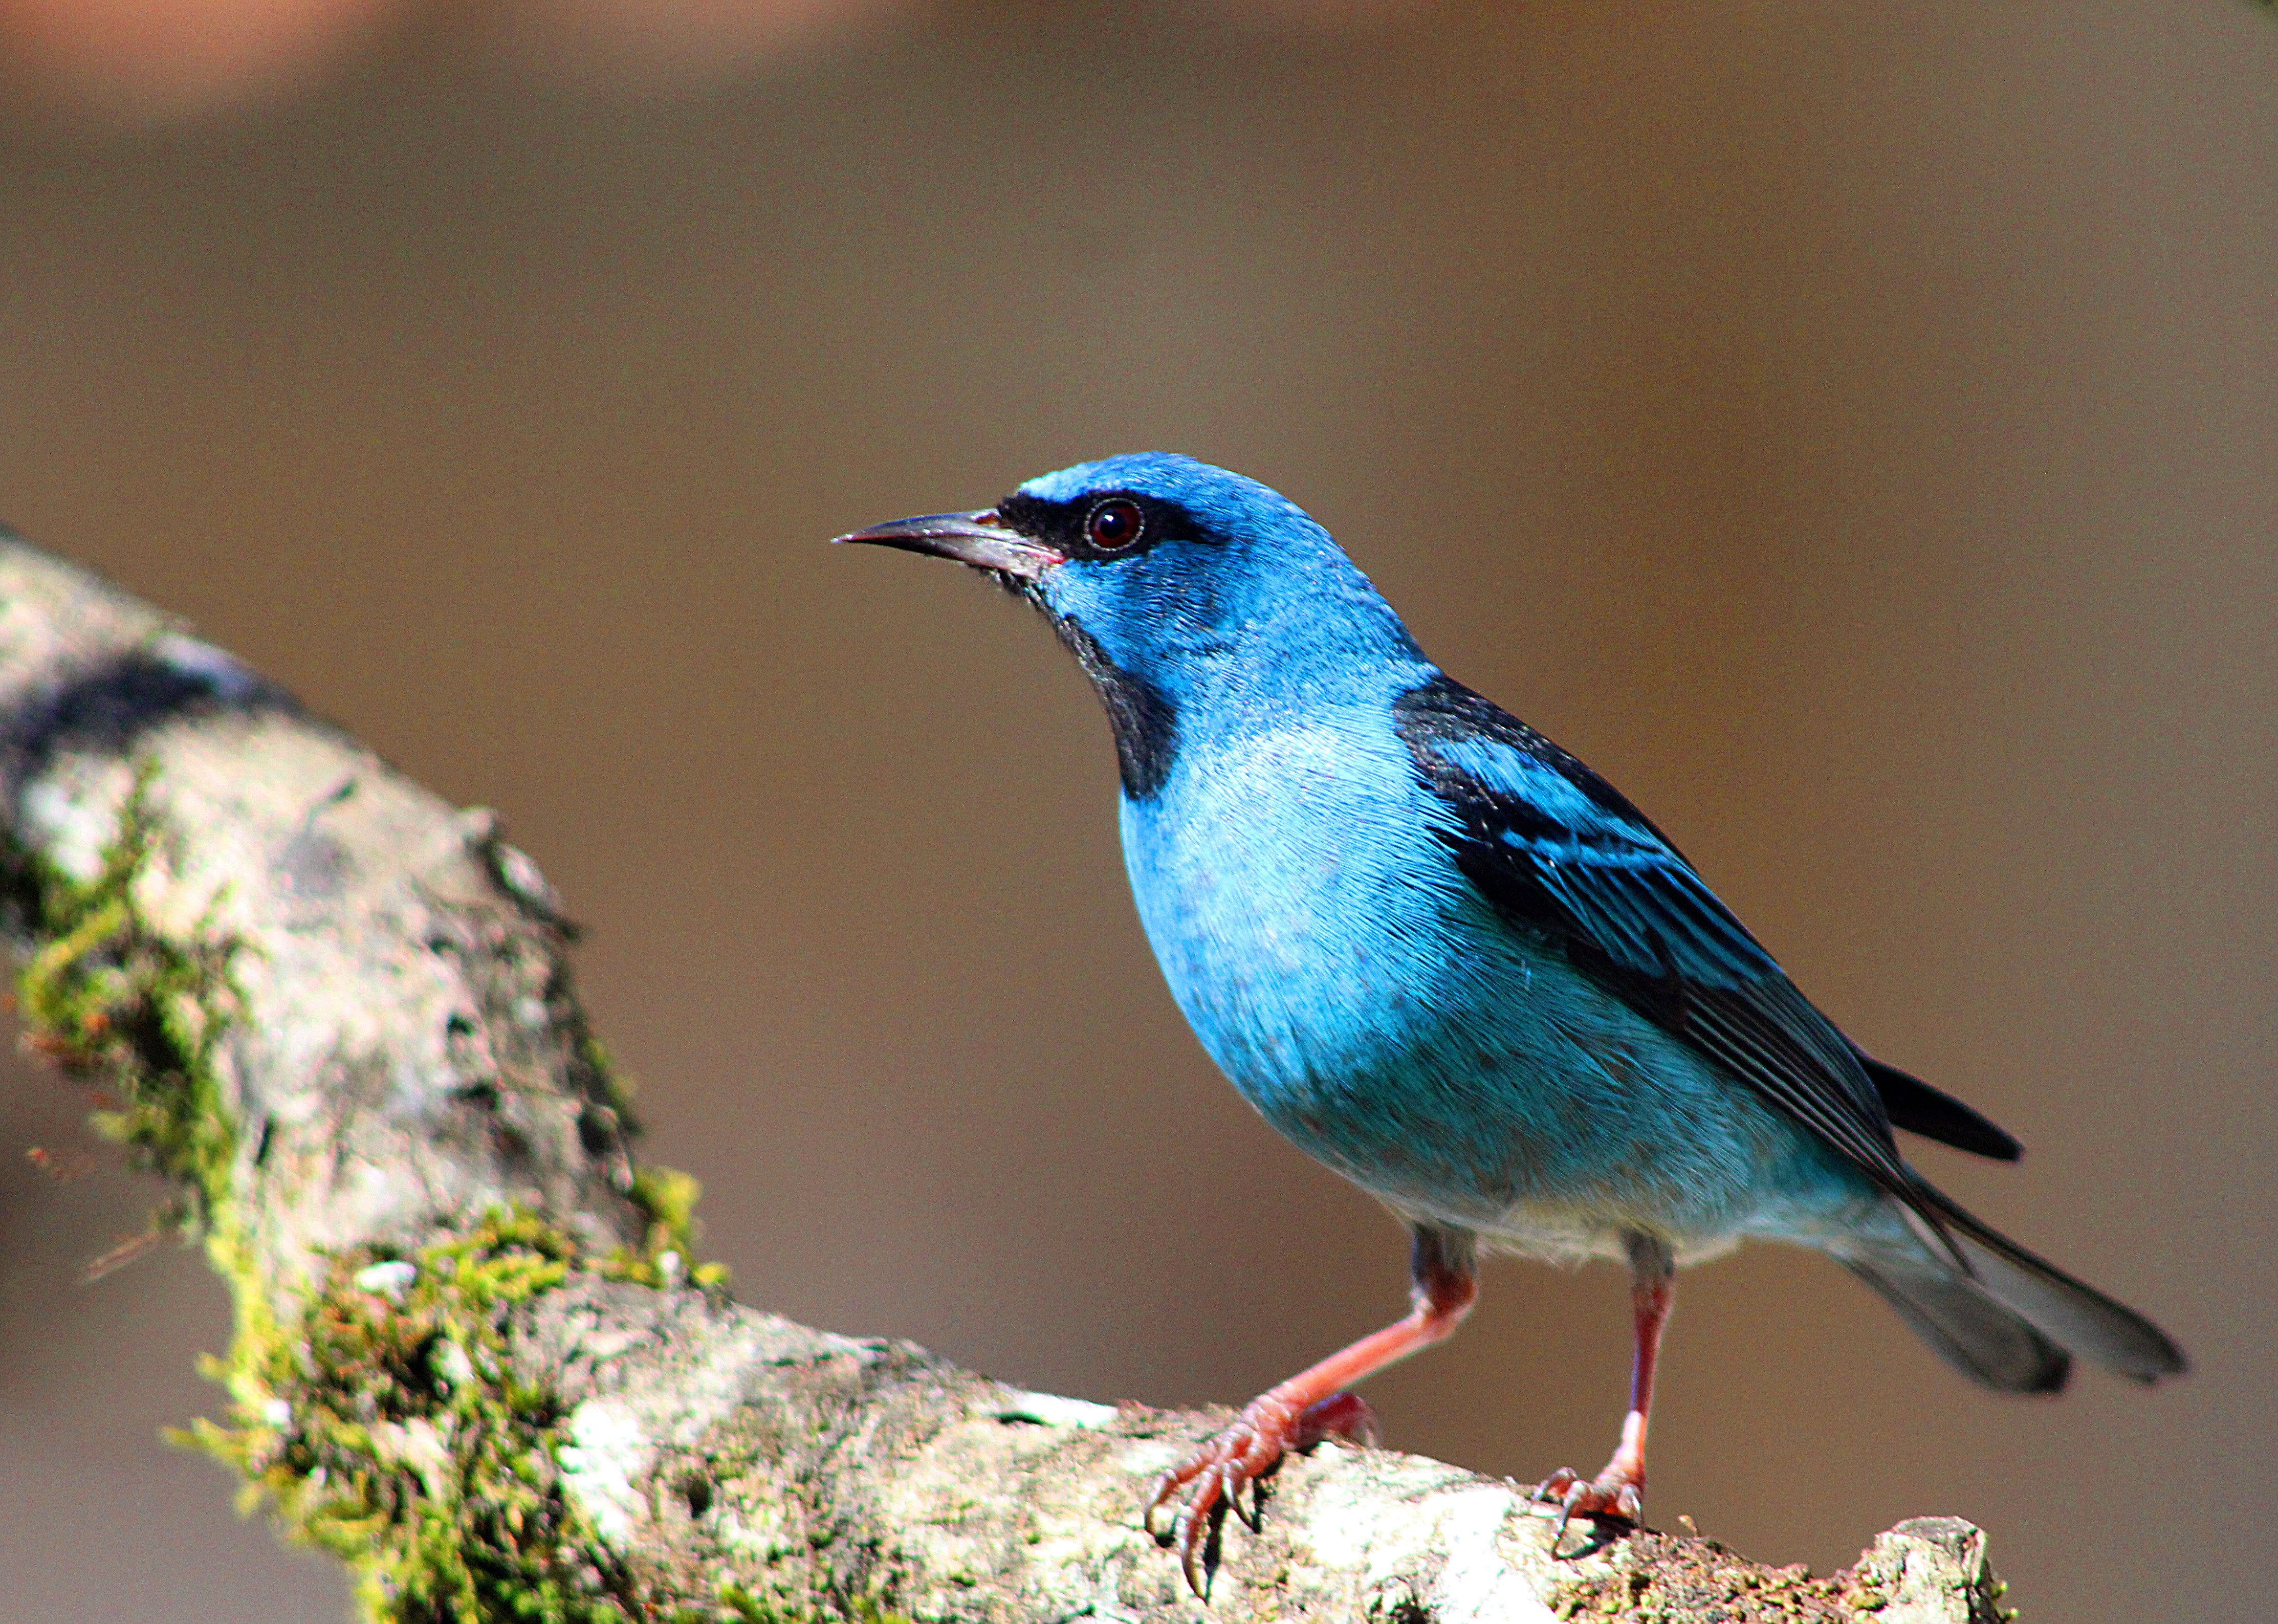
[(1443, 956)]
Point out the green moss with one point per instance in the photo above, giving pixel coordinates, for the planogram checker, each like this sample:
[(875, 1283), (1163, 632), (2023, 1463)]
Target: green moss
[(738, 1605), (665, 1197), (385, 1423), (137, 1016), (390, 1429), (667, 1256), (606, 1082), (866, 1611)]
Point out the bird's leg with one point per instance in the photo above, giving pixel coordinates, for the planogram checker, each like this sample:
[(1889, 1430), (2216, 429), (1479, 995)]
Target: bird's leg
[(1310, 1405), (1619, 1491)]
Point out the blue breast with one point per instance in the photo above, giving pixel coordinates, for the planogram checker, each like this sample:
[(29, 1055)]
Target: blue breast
[(1361, 993)]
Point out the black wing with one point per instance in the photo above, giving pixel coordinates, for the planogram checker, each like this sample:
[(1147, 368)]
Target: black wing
[(1557, 849)]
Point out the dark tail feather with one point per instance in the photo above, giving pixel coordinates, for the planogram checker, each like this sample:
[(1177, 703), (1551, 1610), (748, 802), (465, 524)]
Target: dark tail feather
[(2069, 1311), (1975, 1323), (1991, 1344), (1913, 1105)]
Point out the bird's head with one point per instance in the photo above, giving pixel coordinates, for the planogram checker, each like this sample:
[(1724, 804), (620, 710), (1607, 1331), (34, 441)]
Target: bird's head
[(1166, 574)]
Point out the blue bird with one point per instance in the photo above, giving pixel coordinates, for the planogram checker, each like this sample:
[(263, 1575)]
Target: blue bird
[(1448, 959)]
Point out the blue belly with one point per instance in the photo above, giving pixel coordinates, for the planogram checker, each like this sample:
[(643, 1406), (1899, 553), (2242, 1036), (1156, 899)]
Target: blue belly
[(1358, 992)]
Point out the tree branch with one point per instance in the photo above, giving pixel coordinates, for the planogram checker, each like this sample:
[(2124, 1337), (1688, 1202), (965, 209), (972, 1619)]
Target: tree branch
[(475, 1356)]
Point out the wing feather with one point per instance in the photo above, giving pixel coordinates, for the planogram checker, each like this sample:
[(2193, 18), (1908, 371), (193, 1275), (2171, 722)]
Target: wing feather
[(1557, 850)]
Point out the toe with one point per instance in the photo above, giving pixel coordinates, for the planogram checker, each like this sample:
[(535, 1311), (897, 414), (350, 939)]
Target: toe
[(1554, 1487), (1195, 1525), (1237, 1460)]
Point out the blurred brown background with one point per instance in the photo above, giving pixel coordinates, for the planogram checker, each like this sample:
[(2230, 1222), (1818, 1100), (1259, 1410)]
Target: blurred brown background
[(1847, 425)]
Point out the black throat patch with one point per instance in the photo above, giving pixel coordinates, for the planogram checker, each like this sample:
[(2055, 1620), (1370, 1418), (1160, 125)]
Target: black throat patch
[(1141, 715)]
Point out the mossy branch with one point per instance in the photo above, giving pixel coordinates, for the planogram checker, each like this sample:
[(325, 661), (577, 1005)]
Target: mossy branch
[(115, 1004), (477, 1356)]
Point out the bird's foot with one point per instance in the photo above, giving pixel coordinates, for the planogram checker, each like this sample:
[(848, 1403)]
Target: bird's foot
[(1618, 1491), (1236, 1459)]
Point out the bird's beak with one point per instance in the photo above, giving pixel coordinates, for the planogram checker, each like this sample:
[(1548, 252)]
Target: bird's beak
[(981, 539)]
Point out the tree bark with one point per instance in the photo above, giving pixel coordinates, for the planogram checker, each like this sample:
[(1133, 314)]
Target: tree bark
[(475, 1353)]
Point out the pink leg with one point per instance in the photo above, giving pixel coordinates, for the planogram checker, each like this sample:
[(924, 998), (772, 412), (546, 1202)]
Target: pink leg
[(1619, 1491), (1309, 1406)]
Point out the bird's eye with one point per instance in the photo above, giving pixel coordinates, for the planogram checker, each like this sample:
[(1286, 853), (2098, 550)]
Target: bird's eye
[(1114, 524)]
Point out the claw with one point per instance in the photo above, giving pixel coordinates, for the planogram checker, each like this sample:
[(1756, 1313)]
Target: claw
[(1237, 1460), (1614, 1494), (1194, 1529), (1251, 1515)]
